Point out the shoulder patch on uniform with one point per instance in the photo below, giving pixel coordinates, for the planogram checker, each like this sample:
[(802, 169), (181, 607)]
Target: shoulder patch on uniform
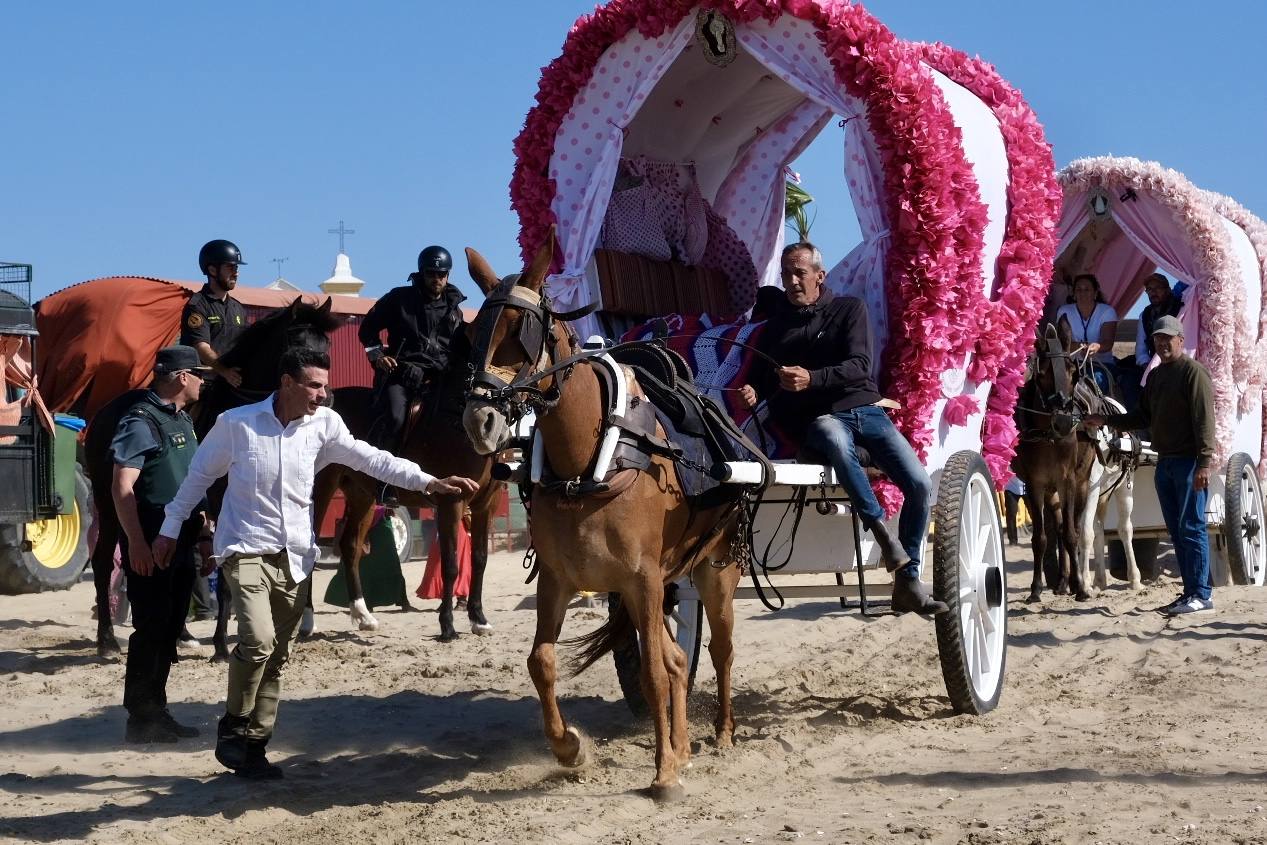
[(194, 320)]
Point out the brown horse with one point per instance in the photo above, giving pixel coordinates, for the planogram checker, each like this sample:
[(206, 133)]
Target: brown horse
[(1053, 461), (632, 543), (438, 444)]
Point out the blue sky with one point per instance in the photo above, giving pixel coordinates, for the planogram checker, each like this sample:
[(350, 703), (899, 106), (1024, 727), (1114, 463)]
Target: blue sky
[(135, 131)]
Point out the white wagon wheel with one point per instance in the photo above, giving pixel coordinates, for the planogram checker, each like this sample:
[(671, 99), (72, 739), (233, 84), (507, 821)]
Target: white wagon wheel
[(402, 533), (968, 575), (1243, 522), (685, 621)]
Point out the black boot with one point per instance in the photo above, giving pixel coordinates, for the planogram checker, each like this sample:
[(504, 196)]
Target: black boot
[(183, 731), (143, 730), (891, 551), (911, 596), (257, 766), (231, 741)]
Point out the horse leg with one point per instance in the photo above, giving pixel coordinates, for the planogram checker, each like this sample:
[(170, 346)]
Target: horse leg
[(717, 592), (646, 607), (448, 515), (358, 517), (1061, 528), (676, 667), (1125, 499), (480, 520), (224, 603), (569, 746), (1101, 579), (1069, 542), (1037, 544), (102, 570), (1086, 538)]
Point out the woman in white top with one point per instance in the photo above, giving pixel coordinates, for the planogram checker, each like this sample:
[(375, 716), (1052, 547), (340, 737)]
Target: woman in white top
[(1094, 322)]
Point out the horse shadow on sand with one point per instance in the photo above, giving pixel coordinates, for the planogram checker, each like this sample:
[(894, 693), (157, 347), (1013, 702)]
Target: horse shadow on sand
[(339, 750), (960, 780)]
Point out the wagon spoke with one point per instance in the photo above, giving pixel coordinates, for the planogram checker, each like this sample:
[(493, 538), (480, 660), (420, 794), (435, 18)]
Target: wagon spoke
[(983, 543), (983, 654)]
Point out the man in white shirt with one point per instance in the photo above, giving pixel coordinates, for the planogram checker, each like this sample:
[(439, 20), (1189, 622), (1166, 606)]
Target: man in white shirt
[(264, 537)]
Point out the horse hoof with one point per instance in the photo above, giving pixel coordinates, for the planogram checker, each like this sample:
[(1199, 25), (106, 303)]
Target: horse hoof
[(1136, 586), (108, 649), (1082, 595), (448, 636), (725, 739), (574, 757), (308, 624), (369, 623), (667, 792), (481, 629), (220, 657), (1033, 598)]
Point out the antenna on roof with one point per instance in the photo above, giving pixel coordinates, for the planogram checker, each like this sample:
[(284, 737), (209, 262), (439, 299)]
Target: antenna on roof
[(341, 232), (279, 262)]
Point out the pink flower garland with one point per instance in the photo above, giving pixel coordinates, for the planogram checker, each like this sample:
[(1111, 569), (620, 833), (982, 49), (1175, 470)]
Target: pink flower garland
[(1217, 280), (1251, 358), (933, 203), (1006, 326)]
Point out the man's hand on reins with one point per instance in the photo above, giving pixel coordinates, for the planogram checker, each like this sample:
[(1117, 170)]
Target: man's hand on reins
[(1093, 420), (232, 375), (386, 363), (1201, 478), (748, 396), (794, 379)]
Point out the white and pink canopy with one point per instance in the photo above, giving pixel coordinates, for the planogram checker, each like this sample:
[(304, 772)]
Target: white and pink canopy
[(948, 169), (1124, 218)]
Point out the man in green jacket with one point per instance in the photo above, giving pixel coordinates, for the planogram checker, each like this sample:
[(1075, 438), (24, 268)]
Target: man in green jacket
[(152, 450), (1178, 406)]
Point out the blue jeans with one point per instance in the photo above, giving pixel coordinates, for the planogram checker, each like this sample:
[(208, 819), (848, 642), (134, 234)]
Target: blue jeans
[(834, 435), (1183, 508)]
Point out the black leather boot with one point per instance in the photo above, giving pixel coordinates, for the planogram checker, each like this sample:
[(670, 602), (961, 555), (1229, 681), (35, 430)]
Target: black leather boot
[(257, 766), (911, 596), (891, 551), (231, 741)]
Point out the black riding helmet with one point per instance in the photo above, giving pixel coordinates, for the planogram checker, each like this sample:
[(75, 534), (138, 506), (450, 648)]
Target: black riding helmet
[(218, 251), (435, 259)]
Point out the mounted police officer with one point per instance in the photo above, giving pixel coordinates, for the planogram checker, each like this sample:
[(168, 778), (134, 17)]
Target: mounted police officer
[(422, 322), (212, 319), (152, 451)]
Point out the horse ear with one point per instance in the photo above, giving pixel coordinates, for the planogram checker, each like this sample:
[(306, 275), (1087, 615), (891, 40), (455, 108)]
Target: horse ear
[(534, 277), (1064, 331), (481, 273), (293, 308), (325, 306)]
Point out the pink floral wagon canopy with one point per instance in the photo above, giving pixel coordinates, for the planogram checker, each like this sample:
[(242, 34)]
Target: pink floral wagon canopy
[(1124, 218), (950, 174)]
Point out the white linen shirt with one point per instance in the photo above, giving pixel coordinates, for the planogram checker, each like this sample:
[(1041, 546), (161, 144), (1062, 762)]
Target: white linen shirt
[(268, 504)]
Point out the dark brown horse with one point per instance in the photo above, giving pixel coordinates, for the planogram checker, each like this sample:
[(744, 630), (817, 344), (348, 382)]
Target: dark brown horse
[(439, 445), (257, 354), (1052, 460), (632, 543)]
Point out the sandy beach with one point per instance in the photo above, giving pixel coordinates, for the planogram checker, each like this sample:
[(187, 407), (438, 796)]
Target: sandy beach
[(1116, 726)]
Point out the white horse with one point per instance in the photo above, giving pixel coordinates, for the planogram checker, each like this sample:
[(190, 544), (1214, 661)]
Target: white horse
[(1112, 478)]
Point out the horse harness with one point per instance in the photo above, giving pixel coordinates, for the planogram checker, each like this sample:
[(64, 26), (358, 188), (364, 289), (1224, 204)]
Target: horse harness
[(630, 438)]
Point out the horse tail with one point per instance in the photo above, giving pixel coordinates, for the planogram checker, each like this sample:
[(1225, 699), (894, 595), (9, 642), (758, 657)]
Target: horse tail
[(616, 632)]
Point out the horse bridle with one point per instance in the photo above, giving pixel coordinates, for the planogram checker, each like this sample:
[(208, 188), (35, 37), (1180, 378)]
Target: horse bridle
[(503, 387), (1059, 404)]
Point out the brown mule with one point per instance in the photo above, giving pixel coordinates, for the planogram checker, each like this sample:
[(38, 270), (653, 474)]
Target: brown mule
[(439, 445), (1052, 460), (632, 543)]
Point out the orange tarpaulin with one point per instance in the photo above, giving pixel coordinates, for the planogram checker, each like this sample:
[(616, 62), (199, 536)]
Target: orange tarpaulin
[(101, 337)]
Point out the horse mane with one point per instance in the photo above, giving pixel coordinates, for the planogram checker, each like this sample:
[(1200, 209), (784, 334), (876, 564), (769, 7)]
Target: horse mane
[(262, 331)]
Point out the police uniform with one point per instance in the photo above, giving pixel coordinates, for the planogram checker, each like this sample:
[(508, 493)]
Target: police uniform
[(421, 332), (158, 440), (206, 319)]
